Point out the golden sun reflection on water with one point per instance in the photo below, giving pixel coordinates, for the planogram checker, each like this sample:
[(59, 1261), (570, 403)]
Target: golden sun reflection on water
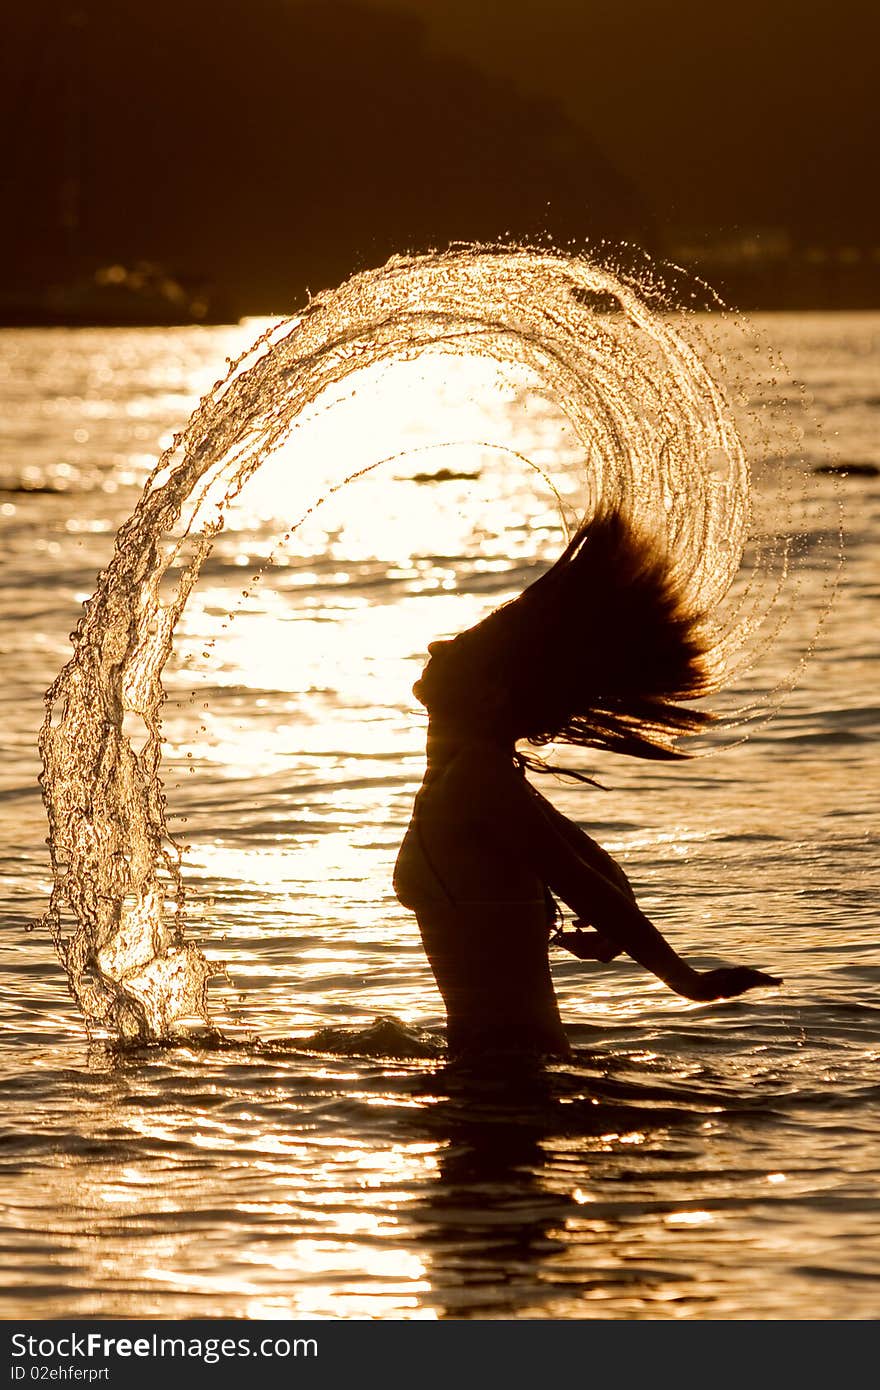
[(295, 656), (442, 412), (360, 1265), (203, 1184)]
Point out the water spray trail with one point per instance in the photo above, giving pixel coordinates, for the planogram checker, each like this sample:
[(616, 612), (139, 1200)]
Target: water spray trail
[(663, 442)]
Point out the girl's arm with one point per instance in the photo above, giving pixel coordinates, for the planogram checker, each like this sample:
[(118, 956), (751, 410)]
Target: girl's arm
[(592, 853), (523, 828)]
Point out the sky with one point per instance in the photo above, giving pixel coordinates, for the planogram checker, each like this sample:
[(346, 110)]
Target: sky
[(273, 147)]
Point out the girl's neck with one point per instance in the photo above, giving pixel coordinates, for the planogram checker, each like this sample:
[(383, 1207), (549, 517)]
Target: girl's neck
[(446, 741)]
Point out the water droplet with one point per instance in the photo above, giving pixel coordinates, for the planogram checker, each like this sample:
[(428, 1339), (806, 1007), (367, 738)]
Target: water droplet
[(719, 462)]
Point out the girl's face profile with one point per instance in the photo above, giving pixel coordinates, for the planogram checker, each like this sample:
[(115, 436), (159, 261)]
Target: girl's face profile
[(460, 680), (439, 677)]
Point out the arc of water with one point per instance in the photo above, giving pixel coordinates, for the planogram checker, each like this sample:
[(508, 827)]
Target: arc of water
[(640, 400)]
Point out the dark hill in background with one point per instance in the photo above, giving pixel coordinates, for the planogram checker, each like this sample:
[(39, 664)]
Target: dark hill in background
[(273, 147)]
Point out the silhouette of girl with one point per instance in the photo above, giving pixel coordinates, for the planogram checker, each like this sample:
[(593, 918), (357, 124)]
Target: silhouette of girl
[(597, 652)]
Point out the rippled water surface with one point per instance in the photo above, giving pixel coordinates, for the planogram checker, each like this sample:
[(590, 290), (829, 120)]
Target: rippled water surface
[(692, 1161)]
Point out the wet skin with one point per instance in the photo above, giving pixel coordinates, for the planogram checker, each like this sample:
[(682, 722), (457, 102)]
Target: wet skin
[(481, 850)]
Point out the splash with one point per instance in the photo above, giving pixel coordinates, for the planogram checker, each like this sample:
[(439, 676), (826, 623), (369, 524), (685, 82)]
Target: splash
[(662, 437)]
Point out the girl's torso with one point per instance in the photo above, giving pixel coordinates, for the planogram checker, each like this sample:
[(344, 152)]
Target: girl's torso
[(485, 919)]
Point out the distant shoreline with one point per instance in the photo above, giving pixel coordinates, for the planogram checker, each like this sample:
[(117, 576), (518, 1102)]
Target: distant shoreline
[(786, 283)]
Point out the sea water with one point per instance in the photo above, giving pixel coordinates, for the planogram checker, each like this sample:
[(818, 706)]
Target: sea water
[(693, 1160)]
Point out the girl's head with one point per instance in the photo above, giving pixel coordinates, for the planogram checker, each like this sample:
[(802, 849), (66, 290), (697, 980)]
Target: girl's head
[(598, 652)]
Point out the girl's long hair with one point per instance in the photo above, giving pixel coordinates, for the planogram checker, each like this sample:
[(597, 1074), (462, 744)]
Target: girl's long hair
[(600, 651)]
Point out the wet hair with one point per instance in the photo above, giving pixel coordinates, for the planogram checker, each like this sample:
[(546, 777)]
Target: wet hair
[(600, 651)]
